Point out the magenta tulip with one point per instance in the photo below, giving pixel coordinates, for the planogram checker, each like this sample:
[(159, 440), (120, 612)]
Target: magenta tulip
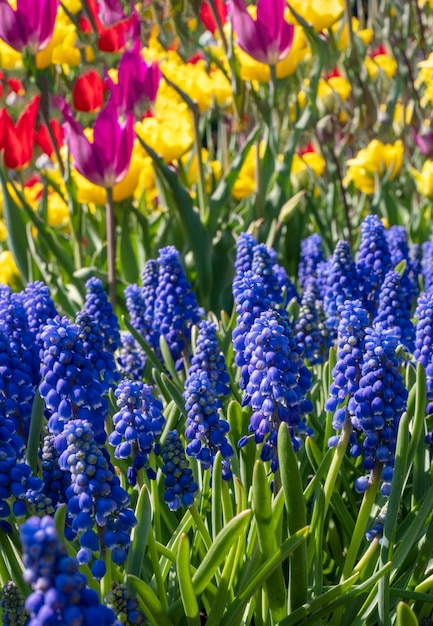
[(137, 83), (30, 26), (106, 160), (425, 144), (110, 12), (267, 39)]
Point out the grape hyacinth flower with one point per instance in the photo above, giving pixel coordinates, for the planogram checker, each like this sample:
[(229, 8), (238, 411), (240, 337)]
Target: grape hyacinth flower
[(311, 255), (103, 361), (12, 607), (310, 330), (378, 405), (209, 357), (205, 429), (278, 382), (180, 488), (423, 352), (176, 308), (15, 474), (397, 239), (39, 307), (125, 606), (263, 263), (69, 386), (373, 261), (342, 283), (427, 264), (56, 482), (60, 592), (244, 253), (14, 324), (136, 307), (101, 312), (250, 301), (347, 371), (392, 311), (16, 389), (415, 268), (95, 497), (137, 425), (131, 357)]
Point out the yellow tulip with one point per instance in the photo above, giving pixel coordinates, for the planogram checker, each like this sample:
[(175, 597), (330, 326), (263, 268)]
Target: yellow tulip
[(9, 273), (303, 165), (384, 62), (424, 179), (319, 13), (375, 160), (10, 59)]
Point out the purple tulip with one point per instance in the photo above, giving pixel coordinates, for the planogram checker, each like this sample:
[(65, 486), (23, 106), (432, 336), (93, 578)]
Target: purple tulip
[(110, 12), (137, 83), (425, 144), (31, 25), (104, 162), (267, 39)]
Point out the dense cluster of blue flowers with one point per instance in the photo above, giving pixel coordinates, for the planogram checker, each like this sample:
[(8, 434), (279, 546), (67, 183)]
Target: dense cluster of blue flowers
[(137, 425), (60, 593), (364, 310)]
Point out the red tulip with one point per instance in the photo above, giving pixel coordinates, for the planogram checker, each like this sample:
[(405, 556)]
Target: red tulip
[(17, 140), (207, 16), (88, 92), (43, 139)]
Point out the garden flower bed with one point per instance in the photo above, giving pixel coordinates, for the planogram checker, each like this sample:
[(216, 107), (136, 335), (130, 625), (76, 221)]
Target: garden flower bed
[(216, 312)]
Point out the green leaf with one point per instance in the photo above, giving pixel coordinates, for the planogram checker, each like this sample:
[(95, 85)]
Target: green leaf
[(140, 533), (149, 602), (36, 420), (198, 237), (221, 195), (128, 260), (187, 594), (16, 228), (260, 575), (266, 531), (296, 516), (219, 549), (216, 508), (405, 615)]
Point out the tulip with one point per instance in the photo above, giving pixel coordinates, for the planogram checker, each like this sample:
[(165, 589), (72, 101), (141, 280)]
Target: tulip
[(137, 83), (267, 39), (207, 16), (110, 12), (88, 92), (105, 161), (17, 140), (425, 144), (43, 139), (30, 26)]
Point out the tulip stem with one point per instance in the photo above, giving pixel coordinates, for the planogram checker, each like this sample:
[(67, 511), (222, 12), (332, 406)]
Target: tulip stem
[(111, 247)]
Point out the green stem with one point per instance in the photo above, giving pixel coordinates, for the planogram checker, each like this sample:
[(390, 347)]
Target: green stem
[(361, 522), (4, 574), (201, 182), (207, 539), (111, 247), (336, 462), (153, 553)]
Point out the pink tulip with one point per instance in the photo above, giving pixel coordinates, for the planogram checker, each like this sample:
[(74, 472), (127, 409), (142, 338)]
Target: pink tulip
[(106, 160), (30, 26), (267, 39), (425, 144), (137, 83), (110, 12)]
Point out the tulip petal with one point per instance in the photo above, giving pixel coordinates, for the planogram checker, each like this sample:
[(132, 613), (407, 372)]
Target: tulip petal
[(11, 30), (246, 31)]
